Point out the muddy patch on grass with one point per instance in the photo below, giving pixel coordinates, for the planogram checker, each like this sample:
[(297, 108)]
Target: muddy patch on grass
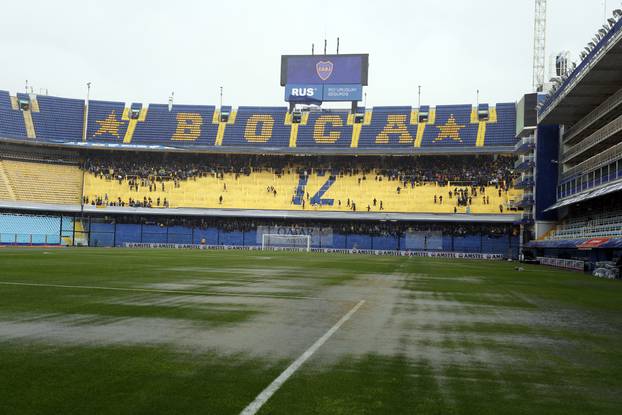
[(284, 328), (171, 286), (250, 271), (189, 301)]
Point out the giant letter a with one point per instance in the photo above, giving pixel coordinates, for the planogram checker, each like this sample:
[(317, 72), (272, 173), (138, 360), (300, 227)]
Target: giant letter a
[(396, 125)]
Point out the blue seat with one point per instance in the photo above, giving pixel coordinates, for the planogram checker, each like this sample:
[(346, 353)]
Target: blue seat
[(184, 125), (258, 127), (105, 121), (503, 132), (11, 121), (385, 117), (325, 129), (452, 127), (58, 119)]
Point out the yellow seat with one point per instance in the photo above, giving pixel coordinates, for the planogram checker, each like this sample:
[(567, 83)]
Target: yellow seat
[(250, 192), (40, 182)]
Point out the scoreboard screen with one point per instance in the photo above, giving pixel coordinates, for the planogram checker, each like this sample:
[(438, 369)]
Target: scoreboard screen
[(324, 69)]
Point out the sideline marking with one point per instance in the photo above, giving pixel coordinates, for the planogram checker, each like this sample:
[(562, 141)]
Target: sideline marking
[(153, 290), (267, 393)]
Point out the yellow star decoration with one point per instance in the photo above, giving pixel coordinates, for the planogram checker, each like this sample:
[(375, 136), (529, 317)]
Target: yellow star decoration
[(451, 130), (109, 126)]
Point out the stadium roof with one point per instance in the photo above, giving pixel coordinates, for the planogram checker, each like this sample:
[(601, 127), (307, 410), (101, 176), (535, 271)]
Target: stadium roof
[(596, 78)]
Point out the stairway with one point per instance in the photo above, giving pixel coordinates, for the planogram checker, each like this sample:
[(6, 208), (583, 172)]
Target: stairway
[(6, 191), (30, 126)]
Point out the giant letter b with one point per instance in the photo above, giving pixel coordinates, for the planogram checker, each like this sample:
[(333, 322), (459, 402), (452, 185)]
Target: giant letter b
[(188, 126)]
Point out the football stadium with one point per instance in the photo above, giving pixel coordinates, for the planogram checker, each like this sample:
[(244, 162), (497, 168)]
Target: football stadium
[(315, 255)]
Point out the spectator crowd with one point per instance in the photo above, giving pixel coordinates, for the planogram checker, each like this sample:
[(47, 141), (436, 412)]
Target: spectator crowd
[(464, 177)]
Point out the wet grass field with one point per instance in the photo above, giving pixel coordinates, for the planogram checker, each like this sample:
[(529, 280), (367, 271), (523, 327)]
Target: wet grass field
[(121, 331)]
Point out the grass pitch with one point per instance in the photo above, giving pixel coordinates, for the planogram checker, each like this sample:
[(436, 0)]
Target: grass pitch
[(111, 331)]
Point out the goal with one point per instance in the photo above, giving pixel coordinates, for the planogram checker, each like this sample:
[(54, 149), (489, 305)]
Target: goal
[(274, 241)]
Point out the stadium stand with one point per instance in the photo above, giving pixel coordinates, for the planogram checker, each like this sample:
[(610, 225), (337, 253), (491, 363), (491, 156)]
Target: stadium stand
[(455, 125), (390, 127), (39, 175), (11, 119), (107, 121), (331, 128), (58, 118), (286, 184), (240, 164), (502, 132), (257, 126), (182, 124), (597, 218), (605, 225), (266, 190), (41, 182), (398, 129)]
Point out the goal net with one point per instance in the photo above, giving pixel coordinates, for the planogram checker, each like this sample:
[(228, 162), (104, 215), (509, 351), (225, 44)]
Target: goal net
[(273, 241)]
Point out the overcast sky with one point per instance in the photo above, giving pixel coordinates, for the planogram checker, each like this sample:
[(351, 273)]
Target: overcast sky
[(140, 51)]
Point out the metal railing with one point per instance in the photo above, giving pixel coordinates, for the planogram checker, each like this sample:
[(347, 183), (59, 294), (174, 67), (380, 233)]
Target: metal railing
[(608, 156), (603, 109), (525, 145), (29, 239), (524, 141), (523, 159), (562, 263), (608, 131)]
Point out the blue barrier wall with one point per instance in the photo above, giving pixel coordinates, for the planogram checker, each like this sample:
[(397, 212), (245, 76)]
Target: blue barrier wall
[(101, 234), (547, 150), (118, 235), (208, 236)]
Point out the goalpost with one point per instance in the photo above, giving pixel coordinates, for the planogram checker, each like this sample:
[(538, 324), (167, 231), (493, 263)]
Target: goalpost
[(274, 241)]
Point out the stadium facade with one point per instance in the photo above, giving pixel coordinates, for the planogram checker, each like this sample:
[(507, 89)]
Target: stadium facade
[(389, 178), (577, 154), (542, 175)]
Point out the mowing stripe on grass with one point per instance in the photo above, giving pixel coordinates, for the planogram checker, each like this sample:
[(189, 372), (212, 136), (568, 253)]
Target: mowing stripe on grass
[(153, 290), (267, 393)]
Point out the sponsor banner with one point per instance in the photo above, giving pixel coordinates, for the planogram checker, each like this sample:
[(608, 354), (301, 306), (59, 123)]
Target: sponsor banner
[(562, 263), (319, 236), (303, 93), (456, 255), (593, 243), (163, 245), (346, 92), (452, 255)]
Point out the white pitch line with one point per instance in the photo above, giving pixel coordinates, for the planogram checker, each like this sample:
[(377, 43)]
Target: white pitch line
[(267, 393), (150, 290)]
